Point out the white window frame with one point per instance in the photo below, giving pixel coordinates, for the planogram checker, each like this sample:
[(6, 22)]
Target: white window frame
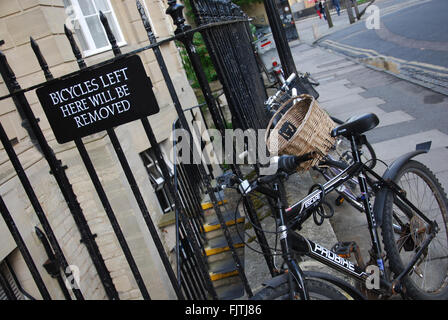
[(81, 19)]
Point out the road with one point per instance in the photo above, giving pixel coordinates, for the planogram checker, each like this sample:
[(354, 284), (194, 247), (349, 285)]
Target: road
[(411, 40)]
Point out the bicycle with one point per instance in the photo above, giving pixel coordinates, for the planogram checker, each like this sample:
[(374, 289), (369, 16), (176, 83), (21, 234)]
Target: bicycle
[(407, 232), (309, 284)]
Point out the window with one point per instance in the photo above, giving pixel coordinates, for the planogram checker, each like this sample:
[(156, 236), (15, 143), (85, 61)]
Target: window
[(9, 290), (85, 21)]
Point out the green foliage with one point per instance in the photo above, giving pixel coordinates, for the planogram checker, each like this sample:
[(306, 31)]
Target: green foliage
[(246, 2), (206, 62), (187, 11)]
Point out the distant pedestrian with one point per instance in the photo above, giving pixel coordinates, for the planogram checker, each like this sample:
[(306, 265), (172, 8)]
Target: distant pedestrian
[(317, 7), (337, 5), (322, 8)]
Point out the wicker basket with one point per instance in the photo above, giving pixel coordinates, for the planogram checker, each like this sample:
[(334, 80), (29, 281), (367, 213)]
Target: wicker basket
[(304, 128)]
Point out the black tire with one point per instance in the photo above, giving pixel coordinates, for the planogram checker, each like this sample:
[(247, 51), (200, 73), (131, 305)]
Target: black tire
[(429, 279), (318, 290)]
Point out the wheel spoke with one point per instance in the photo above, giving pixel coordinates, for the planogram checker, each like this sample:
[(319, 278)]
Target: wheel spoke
[(409, 230)]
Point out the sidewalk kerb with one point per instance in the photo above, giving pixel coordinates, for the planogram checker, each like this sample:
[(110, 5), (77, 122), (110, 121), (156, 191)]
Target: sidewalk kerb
[(423, 84)]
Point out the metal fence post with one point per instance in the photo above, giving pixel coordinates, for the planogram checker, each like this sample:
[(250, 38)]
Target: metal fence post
[(52, 265), (97, 183), (133, 183), (355, 5), (175, 11), (284, 51)]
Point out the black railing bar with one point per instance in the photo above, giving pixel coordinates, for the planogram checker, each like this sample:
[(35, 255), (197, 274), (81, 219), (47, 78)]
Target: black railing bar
[(188, 275), (35, 204), (93, 175), (186, 289), (121, 56), (200, 281), (52, 258), (197, 244), (131, 179), (58, 171), (179, 216), (6, 286), (17, 282), (186, 183), (199, 141), (188, 206), (247, 104), (216, 44)]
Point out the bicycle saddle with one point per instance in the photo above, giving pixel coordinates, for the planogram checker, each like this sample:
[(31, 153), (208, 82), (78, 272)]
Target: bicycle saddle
[(356, 125)]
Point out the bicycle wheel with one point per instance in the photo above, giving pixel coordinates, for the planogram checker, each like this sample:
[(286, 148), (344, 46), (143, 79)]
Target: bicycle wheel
[(317, 290), (404, 233)]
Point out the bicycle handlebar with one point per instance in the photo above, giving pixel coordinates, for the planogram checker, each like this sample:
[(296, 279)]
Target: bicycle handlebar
[(283, 88), (286, 164), (290, 79)]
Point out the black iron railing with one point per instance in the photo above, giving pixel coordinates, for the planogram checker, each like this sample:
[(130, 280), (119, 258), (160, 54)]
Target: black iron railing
[(225, 30)]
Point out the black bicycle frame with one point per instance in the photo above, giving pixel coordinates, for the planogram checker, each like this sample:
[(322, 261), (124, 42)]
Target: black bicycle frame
[(300, 211), (291, 240)]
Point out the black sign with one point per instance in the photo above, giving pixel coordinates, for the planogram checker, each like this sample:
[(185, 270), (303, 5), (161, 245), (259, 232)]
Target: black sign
[(98, 99)]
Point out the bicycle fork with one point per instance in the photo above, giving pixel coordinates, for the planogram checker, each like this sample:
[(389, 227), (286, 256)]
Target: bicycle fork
[(295, 273)]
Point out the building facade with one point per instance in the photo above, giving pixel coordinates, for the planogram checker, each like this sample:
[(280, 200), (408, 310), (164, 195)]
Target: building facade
[(44, 20)]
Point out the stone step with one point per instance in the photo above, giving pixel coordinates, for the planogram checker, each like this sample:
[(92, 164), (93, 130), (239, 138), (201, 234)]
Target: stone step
[(230, 217), (207, 204), (231, 291), (233, 229), (225, 255), (222, 269), (219, 244)]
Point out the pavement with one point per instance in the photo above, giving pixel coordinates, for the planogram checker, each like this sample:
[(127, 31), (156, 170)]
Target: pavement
[(410, 40), (409, 113)]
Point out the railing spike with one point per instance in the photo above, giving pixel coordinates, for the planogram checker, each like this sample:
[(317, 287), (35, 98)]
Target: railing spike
[(109, 33), (146, 23), (40, 58), (75, 48)]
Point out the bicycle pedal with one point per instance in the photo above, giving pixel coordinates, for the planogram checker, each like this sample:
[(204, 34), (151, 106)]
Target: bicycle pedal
[(344, 249), (339, 200)]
